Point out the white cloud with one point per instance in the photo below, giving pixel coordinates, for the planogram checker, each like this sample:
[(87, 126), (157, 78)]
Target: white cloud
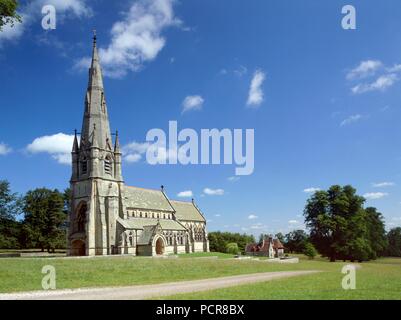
[(213, 192), (255, 97), (252, 217), (217, 215), (293, 222), (364, 69), (31, 13), (134, 151), (4, 149), (380, 84), (242, 70), (350, 120), (192, 103), (311, 190), (59, 146), (185, 194), (257, 226), (233, 178), (136, 38), (375, 195), (383, 184)]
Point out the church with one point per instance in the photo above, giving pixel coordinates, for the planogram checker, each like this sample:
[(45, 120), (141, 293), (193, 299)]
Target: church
[(108, 217)]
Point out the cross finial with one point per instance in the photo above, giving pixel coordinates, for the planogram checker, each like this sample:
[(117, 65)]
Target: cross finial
[(94, 36)]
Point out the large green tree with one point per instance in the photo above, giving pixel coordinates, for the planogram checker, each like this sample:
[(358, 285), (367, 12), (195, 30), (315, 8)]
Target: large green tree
[(45, 218), (8, 13), (295, 241), (10, 208), (341, 228), (394, 242)]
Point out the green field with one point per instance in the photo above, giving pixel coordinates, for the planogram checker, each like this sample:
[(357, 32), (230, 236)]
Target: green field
[(380, 279)]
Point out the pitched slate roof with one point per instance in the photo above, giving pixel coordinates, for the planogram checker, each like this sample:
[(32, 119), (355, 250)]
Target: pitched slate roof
[(186, 211), (141, 223), (146, 199)]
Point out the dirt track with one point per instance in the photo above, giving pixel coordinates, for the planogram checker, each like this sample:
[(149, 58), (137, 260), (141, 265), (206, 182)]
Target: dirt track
[(151, 291)]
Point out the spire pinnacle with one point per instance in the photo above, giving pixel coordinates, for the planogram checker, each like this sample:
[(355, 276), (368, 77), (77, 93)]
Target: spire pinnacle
[(94, 37), (75, 145), (117, 144)]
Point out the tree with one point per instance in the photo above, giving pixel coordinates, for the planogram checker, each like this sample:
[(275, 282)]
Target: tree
[(8, 13), (310, 251), (394, 242), (44, 219), (295, 241), (10, 207), (340, 227), (219, 240), (232, 248), (280, 237)]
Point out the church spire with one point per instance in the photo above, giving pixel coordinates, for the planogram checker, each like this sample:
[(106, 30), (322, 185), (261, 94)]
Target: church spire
[(96, 127)]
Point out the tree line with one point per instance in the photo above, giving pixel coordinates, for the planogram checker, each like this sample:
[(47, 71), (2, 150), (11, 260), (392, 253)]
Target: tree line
[(340, 228), (37, 219), (339, 225)]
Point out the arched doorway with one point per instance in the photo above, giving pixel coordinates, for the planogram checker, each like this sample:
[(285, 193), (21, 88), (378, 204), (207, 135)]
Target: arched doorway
[(78, 248), (159, 246)]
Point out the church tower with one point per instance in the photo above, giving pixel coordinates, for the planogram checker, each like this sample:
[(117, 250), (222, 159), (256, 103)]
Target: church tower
[(96, 180)]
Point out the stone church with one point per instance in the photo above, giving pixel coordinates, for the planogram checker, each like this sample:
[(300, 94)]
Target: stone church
[(108, 217)]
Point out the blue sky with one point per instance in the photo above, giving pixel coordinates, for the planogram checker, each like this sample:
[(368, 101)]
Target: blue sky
[(327, 106)]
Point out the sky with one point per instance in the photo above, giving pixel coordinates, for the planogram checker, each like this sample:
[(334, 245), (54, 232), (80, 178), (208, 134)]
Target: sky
[(324, 102)]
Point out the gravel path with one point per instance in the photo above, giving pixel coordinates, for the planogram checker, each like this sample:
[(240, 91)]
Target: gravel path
[(151, 291)]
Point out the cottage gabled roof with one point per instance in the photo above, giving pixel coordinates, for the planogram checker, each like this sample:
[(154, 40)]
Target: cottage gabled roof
[(277, 244), (140, 198), (187, 211)]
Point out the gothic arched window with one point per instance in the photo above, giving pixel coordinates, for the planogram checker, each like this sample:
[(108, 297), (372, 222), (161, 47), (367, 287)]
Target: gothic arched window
[(81, 218), (107, 165), (84, 165)]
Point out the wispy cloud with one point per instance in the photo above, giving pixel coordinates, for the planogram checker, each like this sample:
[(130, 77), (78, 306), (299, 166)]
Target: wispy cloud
[(252, 217), (383, 184), (59, 146), (293, 222), (4, 149), (185, 194), (137, 38), (255, 97), (364, 69), (380, 84), (192, 103), (134, 151), (351, 119), (311, 190), (213, 192), (385, 77), (375, 195), (233, 178)]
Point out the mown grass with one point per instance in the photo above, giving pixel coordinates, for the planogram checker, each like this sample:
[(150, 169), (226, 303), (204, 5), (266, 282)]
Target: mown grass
[(380, 279), (24, 274)]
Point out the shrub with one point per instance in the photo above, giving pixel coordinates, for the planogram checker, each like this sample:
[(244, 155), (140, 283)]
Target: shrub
[(310, 250), (232, 248)]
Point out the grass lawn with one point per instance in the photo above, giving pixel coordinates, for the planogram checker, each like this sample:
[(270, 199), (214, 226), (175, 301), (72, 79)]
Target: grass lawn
[(375, 280), (379, 279)]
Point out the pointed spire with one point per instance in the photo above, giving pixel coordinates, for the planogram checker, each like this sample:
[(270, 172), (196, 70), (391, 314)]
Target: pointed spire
[(75, 147), (95, 106), (117, 144), (95, 72)]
